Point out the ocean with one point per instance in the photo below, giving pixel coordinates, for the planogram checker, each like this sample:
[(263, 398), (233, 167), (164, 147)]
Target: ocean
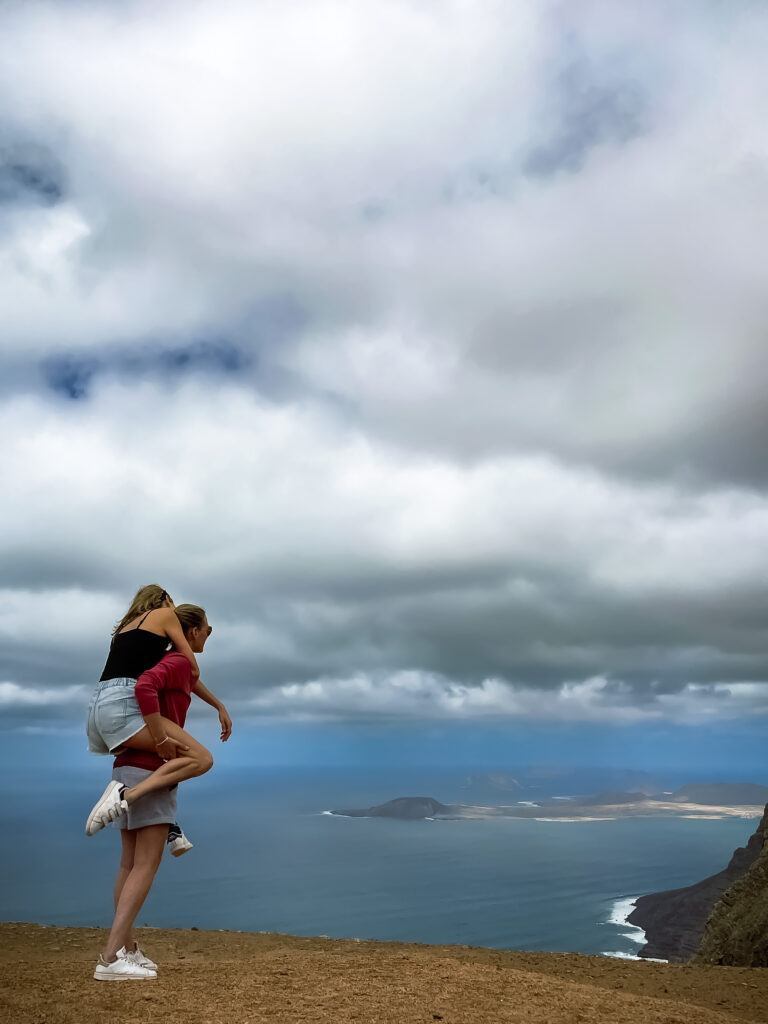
[(267, 858)]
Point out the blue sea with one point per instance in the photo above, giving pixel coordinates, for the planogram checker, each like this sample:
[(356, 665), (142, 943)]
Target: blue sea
[(267, 858)]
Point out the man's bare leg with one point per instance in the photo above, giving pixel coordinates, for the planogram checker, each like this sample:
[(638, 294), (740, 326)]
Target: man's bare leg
[(148, 845)]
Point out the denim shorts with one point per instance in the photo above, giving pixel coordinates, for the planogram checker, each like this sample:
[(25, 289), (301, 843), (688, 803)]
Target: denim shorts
[(113, 716)]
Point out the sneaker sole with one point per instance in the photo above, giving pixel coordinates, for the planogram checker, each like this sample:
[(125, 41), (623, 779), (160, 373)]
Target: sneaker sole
[(92, 826), (185, 849), (124, 977)]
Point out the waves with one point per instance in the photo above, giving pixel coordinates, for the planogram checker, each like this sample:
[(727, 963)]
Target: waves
[(617, 916)]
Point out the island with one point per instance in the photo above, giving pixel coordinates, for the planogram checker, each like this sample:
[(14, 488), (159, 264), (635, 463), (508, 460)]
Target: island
[(697, 800)]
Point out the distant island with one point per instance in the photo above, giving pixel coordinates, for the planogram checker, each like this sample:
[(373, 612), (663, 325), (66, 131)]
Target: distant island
[(698, 800), (410, 808)]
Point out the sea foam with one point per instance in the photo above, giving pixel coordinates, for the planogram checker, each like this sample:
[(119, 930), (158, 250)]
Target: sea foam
[(620, 911)]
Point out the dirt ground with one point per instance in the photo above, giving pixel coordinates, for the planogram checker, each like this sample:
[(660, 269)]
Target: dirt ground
[(216, 977)]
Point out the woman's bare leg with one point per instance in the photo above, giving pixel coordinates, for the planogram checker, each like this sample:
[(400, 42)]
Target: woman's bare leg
[(196, 761), (148, 851)]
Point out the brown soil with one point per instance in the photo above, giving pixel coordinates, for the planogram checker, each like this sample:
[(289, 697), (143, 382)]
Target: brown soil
[(214, 977)]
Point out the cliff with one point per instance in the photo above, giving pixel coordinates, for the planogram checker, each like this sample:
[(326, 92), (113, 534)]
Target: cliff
[(736, 934), (674, 921)]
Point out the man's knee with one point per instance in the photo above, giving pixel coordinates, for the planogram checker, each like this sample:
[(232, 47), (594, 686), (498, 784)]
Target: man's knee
[(149, 859)]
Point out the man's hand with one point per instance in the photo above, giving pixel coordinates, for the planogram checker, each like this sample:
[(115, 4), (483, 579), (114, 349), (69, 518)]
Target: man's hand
[(226, 724)]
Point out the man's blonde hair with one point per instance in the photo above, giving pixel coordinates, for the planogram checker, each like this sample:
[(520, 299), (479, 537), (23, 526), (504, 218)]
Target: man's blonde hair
[(190, 616)]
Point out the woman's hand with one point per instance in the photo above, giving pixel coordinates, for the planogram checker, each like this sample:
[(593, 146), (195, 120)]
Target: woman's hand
[(169, 748), (226, 724)]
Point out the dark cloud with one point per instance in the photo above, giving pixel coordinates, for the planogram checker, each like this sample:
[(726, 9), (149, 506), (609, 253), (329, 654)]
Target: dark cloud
[(73, 374), (30, 173), (586, 107)]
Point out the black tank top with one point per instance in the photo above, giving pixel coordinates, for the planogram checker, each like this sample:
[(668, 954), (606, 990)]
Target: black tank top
[(134, 652)]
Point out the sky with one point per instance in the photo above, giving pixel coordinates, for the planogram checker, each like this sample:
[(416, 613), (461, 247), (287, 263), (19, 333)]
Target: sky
[(423, 344)]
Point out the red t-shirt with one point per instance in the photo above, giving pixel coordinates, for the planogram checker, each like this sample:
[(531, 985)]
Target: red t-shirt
[(166, 688)]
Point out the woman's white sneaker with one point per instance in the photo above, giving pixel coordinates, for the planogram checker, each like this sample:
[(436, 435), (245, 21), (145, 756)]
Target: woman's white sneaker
[(138, 957), (109, 807), (123, 969)]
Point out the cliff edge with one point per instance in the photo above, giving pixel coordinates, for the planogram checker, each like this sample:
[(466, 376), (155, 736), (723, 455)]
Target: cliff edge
[(674, 921), (736, 933)]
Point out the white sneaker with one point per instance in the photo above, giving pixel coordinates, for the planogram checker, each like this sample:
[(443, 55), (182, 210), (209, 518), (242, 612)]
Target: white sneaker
[(123, 969), (109, 807), (177, 843), (138, 957)]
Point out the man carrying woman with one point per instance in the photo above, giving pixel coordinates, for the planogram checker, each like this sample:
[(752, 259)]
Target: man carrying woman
[(137, 712)]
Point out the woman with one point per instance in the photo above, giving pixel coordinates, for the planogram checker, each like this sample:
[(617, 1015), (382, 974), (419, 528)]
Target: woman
[(163, 695)]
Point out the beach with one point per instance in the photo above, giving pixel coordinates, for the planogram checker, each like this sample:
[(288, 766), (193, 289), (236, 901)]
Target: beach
[(216, 977)]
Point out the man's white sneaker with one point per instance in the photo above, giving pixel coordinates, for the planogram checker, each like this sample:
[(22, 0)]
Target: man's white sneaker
[(177, 843), (138, 957), (109, 807), (123, 969)]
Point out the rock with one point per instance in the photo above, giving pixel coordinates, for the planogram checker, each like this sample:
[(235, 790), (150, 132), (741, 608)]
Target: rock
[(736, 933), (674, 921)]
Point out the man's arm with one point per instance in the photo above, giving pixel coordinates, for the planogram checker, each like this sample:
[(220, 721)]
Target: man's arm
[(147, 688)]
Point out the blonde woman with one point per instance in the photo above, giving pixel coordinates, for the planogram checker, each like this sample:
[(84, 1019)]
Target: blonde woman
[(142, 798)]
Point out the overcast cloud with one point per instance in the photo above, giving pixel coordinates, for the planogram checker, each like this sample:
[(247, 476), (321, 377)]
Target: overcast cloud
[(423, 343)]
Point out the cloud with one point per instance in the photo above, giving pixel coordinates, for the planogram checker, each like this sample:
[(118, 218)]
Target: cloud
[(415, 695), (316, 551), (405, 337), (13, 695), (29, 173)]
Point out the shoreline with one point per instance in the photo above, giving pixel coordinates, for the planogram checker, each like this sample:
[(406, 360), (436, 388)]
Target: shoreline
[(621, 910)]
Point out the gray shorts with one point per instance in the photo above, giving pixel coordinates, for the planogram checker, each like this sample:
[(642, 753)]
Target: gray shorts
[(156, 808), (113, 716)]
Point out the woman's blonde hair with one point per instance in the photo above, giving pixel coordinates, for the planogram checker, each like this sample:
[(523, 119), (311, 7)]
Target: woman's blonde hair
[(190, 616), (146, 600)]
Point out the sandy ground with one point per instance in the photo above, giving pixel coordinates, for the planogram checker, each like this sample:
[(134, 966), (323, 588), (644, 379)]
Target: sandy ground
[(213, 977)]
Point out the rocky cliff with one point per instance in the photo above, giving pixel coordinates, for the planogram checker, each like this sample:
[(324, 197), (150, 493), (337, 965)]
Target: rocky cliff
[(736, 933), (674, 921)]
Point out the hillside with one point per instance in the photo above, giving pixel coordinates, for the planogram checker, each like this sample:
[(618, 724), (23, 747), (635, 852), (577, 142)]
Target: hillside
[(674, 920), (737, 930), (722, 793), (233, 978)]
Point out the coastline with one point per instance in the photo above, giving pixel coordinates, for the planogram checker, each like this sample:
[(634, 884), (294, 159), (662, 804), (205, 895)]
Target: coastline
[(621, 909)]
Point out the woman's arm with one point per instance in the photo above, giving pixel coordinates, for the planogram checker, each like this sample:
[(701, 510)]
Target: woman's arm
[(167, 620), (202, 691)]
